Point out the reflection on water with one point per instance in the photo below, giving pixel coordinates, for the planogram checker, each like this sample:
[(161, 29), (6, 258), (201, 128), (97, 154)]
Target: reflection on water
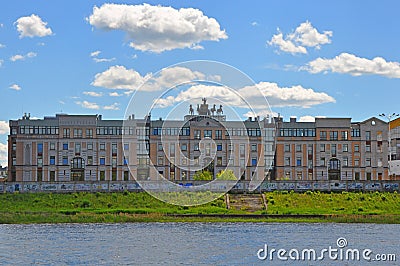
[(184, 243)]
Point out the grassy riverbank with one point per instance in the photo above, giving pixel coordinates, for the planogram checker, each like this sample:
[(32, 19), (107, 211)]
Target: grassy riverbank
[(141, 207)]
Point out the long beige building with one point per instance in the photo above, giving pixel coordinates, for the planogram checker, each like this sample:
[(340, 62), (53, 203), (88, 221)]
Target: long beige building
[(86, 147)]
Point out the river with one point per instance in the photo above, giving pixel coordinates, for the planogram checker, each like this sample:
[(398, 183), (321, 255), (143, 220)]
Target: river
[(198, 244)]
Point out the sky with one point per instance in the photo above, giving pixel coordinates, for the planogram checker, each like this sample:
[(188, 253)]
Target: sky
[(306, 58)]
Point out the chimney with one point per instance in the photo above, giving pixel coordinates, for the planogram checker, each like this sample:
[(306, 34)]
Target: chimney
[(293, 119)]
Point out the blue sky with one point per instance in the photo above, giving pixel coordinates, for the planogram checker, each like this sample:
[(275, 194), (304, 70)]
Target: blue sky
[(310, 58)]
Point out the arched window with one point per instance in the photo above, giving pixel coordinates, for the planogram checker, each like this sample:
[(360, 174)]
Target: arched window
[(77, 163), (334, 169)]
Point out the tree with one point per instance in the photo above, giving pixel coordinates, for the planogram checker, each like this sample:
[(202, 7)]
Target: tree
[(226, 175), (203, 175)]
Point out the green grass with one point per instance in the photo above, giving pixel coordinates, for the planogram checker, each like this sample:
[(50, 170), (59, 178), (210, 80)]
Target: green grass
[(140, 207)]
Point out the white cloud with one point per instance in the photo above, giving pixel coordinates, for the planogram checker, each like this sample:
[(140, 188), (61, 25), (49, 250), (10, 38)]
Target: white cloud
[(309, 118), (158, 28), (261, 114), (254, 23), (41, 44), (295, 96), (2, 45), (15, 87), (32, 26), (1, 62), (356, 66), (93, 93), (95, 53), (18, 57), (113, 106), (307, 35), (4, 129), (304, 36), (88, 105), (114, 94), (3, 154), (286, 45), (118, 77), (100, 60), (61, 102)]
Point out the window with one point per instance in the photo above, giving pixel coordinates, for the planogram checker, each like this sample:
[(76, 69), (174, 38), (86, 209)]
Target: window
[(102, 146), (102, 175), (77, 148), (90, 160), (183, 147), (196, 146), (52, 176), (65, 160), (322, 135), (287, 161), (230, 147), (160, 160), (357, 175), (39, 176), (52, 146), (333, 149), (242, 163), (367, 135), (160, 147), (298, 161), (172, 149), (90, 146), (356, 162), (368, 162), (40, 148), (126, 161), (126, 147), (368, 176), (219, 161), (345, 161), (322, 147), (89, 133), (298, 147), (208, 133), (345, 147), (65, 146), (356, 148), (355, 132), (14, 161), (219, 147), (299, 175), (253, 147), (77, 133), (14, 146), (333, 135), (368, 148), (242, 147), (218, 134), (66, 133), (52, 160), (322, 161), (126, 175), (114, 148), (102, 161), (40, 162), (197, 134), (287, 147), (114, 162), (253, 161), (345, 135)]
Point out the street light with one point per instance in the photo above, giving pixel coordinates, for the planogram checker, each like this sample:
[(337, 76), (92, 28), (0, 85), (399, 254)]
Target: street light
[(389, 118)]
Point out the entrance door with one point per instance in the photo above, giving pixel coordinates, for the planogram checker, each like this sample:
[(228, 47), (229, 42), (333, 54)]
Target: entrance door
[(334, 169)]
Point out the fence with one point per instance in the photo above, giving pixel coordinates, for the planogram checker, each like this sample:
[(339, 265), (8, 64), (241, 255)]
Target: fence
[(240, 187)]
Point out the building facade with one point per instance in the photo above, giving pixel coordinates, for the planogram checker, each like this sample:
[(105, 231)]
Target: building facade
[(332, 149), (86, 147)]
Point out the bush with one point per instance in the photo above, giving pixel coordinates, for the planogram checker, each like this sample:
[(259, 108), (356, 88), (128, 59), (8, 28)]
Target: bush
[(85, 204)]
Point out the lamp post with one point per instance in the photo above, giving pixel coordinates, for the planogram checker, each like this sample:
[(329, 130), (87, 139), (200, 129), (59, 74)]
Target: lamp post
[(389, 117)]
